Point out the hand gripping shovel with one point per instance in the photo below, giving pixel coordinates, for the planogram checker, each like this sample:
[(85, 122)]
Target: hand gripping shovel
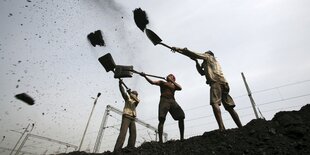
[(120, 71), (155, 38), (155, 76), (126, 71)]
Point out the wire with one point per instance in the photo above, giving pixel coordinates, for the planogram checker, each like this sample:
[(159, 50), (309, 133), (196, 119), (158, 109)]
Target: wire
[(259, 91), (115, 118), (173, 123), (290, 98), (283, 108), (213, 121), (290, 84)]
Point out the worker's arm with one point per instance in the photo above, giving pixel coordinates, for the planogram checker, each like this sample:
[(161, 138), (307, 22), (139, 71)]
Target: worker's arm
[(199, 68), (135, 98), (189, 53), (149, 80), (122, 90)]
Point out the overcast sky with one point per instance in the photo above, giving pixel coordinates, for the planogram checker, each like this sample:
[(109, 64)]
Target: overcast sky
[(44, 52)]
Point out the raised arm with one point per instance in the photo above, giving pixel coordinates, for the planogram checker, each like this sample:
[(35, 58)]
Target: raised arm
[(122, 90), (191, 54), (149, 80), (199, 68), (135, 98)]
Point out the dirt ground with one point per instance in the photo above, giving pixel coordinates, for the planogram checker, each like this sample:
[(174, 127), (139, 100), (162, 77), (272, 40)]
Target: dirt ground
[(286, 133)]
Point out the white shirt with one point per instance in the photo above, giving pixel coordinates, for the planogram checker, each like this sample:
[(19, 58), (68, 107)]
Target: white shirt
[(212, 68), (130, 107)]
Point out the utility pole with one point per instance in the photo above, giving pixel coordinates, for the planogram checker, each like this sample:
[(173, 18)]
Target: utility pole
[(26, 130), (88, 121), (101, 130), (250, 96), (22, 144)]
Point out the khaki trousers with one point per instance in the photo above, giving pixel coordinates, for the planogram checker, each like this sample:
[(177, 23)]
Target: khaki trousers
[(127, 122)]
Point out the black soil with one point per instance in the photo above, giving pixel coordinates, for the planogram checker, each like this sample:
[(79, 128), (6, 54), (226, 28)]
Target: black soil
[(96, 38), (286, 133), (25, 98), (140, 18)]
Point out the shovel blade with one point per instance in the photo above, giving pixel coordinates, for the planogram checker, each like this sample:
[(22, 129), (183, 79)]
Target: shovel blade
[(95, 38), (152, 36), (107, 62), (26, 98), (123, 71)]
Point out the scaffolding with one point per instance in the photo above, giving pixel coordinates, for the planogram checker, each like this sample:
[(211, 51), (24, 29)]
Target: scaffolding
[(43, 138), (104, 121)]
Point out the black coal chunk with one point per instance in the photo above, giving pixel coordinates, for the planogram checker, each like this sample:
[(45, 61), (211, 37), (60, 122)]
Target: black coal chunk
[(26, 98), (95, 38), (140, 18)]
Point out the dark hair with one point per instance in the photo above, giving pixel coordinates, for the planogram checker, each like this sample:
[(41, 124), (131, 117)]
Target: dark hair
[(210, 52), (173, 77), (134, 92)]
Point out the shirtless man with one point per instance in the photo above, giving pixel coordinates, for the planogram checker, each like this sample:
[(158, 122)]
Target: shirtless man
[(167, 104)]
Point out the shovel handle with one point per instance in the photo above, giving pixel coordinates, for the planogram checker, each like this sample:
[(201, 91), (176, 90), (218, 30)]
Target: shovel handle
[(165, 45), (124, 84), (155, 76), (148, 75)]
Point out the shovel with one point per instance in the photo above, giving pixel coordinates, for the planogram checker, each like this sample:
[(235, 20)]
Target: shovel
[(109, 65), (155, 38), (126, 71), (123, 71), (140, 73)]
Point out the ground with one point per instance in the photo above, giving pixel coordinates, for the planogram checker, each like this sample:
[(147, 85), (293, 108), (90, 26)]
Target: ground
[(286, 133)]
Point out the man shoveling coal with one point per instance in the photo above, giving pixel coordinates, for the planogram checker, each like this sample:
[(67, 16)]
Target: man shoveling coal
[(128, 118), (167, 103), (219, 88)]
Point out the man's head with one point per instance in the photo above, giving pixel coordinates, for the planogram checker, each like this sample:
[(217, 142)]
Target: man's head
[(134, 92), (170, 76), (209, 52), (134, 95)]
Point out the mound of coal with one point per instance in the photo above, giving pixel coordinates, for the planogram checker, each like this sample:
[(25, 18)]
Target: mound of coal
[(286, 133)]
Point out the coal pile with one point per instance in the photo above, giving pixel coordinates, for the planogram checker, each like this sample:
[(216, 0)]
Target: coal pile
[(286, 133)]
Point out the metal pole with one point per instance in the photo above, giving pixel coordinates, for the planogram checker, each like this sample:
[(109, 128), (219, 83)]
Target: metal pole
[(250, 96), (8, 149), (22, 144), (101, 130), (53, 140), (19, 139), (88, 121)]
